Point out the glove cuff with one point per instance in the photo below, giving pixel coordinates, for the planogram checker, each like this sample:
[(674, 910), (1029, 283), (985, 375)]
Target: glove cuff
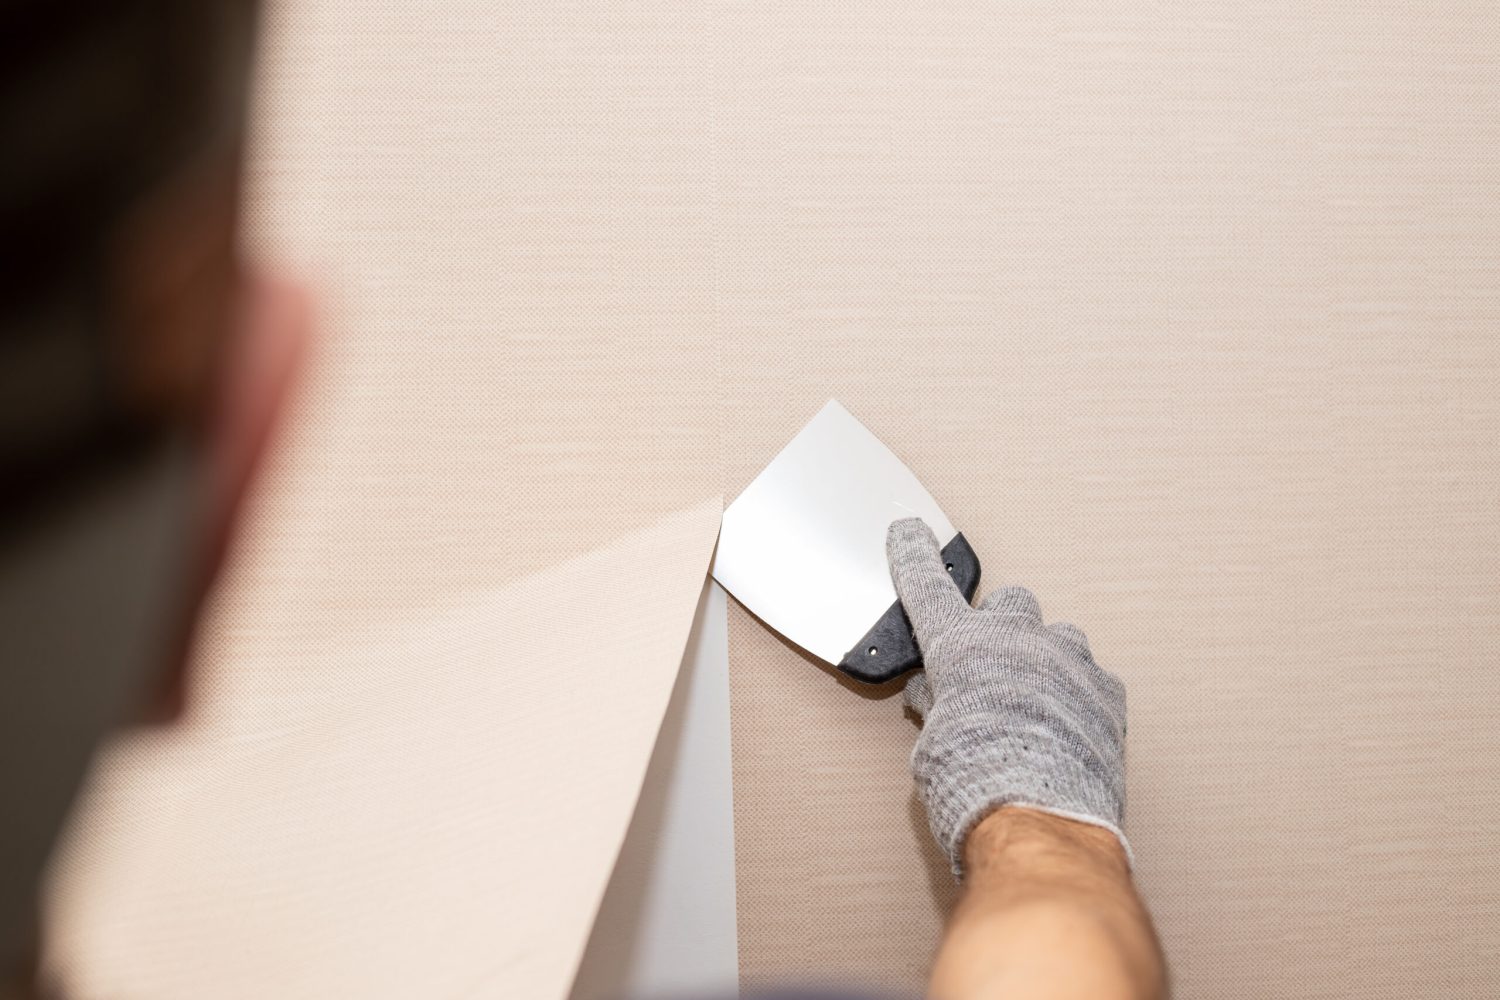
[(958, 794)]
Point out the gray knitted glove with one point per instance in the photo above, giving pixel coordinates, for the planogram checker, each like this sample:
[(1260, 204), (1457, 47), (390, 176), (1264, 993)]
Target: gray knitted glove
[(1014, 711)]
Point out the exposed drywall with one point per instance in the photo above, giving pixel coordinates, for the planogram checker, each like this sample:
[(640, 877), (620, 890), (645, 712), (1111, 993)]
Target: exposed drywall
[(666, 927)]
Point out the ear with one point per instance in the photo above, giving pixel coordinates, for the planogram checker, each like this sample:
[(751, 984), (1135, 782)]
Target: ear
[(270, 330)]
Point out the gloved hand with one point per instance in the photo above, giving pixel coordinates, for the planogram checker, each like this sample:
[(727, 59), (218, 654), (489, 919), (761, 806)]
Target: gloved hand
[(1015, 711)]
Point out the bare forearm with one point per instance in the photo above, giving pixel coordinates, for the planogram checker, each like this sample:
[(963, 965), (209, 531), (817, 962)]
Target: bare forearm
[(1016, 710), (1048, 910)]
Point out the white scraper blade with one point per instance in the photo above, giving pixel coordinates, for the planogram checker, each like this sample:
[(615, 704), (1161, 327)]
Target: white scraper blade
[(804, 546)]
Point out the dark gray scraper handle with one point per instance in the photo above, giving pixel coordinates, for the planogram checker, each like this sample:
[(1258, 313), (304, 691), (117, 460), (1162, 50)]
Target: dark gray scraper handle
[(889, 649)]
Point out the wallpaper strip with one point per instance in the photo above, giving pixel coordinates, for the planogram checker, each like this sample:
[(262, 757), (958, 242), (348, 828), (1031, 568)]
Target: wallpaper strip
[(505, 215), (1186, 315), (433, 812), (666, 927)]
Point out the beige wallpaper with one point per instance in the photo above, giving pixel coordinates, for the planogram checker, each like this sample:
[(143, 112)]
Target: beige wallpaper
[(428, 691), (429, 809), (1188, 314)]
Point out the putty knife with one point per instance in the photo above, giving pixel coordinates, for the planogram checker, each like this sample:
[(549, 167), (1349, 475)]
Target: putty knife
[(803, 548)]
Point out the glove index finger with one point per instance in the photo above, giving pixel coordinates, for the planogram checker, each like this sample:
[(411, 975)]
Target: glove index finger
[(931, 599)]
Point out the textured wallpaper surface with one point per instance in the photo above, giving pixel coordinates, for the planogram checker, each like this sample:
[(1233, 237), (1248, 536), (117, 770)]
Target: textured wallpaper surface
[(431, 808), (429, 689), (1187, 314)]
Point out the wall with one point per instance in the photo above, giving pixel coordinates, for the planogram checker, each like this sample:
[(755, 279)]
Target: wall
[(1186, 313)]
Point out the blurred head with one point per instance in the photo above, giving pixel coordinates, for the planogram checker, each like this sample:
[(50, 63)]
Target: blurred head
[(141, 367)]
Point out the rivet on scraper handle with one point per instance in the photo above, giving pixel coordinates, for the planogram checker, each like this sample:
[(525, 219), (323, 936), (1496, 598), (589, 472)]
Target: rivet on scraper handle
[(889, 649)]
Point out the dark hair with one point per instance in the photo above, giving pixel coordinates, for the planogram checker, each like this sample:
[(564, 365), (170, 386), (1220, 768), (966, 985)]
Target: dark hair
[(100, 104)]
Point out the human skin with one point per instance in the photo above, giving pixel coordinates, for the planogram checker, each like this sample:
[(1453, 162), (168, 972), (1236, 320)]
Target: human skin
[(215, 345), (1048, 910)]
